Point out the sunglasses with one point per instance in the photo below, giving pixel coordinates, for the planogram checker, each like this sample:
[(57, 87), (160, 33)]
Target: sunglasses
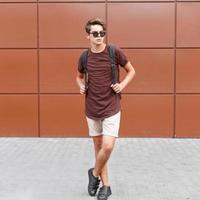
[(100, 33)]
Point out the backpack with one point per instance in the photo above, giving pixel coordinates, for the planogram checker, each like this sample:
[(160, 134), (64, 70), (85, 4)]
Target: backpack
[(114, 68)]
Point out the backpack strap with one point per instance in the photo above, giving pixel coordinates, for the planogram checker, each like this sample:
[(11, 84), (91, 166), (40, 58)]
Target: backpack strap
[(111, 50), (84, 58)]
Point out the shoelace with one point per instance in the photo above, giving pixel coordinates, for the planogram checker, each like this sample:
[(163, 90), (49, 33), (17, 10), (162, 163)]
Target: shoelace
[(96, 185), (102, 192)]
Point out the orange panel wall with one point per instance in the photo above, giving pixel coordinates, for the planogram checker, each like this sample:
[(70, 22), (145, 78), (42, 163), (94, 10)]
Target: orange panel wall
[(40, 43)]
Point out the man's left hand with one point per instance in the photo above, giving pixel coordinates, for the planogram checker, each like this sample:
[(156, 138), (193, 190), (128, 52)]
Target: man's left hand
[(117, 87)]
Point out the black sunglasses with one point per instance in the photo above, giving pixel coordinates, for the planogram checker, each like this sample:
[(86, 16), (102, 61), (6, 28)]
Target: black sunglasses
[(96, 33)]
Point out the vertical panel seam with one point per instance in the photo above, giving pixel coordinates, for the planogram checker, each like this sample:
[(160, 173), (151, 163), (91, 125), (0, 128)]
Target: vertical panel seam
[(38, 68), (175, 33)]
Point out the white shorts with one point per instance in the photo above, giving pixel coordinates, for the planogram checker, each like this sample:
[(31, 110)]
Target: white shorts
[(108, 126)]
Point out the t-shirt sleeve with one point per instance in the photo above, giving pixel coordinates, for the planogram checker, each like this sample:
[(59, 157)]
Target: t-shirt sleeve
[(80, 65), (121, 57)]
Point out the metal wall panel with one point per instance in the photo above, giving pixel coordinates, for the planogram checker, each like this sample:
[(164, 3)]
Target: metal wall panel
[(58, 68), (155, 70), (141, 24), (18, 25), (188, 70), (62, 24), (19, 115), (188, 24), (18, 71), (147, 116), (187, 115), (62, 115)]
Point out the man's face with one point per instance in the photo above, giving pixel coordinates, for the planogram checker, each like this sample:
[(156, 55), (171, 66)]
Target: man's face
[(96, 35)]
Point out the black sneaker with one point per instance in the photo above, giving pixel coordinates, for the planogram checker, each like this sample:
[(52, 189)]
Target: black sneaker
[(104, 193), (93, 183)]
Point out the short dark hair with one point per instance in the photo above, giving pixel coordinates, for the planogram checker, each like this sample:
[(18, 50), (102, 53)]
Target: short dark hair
[(94, 21)]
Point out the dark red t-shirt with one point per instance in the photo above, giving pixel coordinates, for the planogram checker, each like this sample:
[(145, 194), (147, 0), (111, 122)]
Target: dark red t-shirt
[(101, 101)]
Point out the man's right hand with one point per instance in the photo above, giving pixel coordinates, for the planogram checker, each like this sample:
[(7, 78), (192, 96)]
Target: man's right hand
[(82, 89), (80, 81)]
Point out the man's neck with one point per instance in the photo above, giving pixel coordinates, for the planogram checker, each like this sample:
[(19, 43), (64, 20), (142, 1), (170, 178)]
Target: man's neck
[(98, 48)]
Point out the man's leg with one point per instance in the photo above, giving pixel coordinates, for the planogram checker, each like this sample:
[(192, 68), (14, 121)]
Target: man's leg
[(103, 148), (103, 155), (98, 140)]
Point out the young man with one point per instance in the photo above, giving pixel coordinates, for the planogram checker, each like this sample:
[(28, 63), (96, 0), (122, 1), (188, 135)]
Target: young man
[(102, 101)]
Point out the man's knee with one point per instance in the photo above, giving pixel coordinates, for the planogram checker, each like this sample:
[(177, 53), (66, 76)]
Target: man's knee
[(108, 143), (107, 147)]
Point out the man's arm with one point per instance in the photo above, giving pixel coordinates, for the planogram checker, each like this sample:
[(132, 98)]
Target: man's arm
[(81, 82), (118, 87)]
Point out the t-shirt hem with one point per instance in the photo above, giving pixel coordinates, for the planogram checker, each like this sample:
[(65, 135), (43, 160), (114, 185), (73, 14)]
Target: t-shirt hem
[(103, 117)]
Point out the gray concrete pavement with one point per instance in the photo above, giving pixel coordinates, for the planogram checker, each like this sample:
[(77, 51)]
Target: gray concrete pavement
[(140, 169)]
